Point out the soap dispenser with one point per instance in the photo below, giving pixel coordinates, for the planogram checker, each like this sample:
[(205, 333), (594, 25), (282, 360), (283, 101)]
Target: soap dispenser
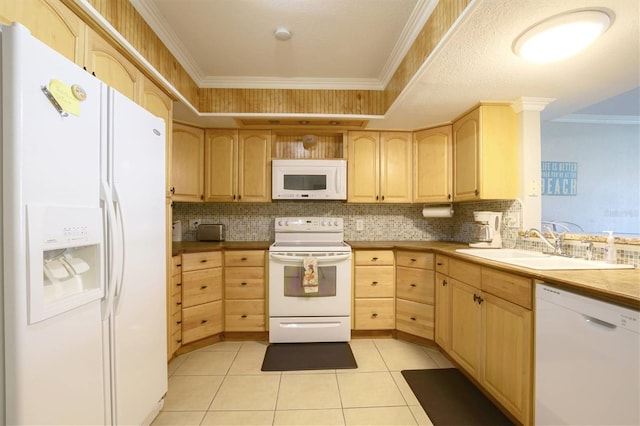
[(610, 249)]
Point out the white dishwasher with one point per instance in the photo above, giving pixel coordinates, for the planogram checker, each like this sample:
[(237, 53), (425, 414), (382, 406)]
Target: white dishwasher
[(587, 360)]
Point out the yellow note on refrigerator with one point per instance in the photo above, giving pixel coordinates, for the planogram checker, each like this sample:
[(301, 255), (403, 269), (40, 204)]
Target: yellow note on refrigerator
[(65, 97)]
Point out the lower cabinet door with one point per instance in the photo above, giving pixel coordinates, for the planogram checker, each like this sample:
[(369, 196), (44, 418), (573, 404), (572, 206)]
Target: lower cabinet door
[(201, 321)]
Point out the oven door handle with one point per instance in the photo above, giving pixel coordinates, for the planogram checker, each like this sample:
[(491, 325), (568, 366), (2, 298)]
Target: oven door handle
[(321, 259)]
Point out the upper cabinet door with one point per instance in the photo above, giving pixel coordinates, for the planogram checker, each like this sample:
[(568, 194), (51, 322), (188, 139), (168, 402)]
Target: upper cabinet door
[(466, 134), (254, 166), (51, 22), (112, 67), (187, 163), (432, 175), (220, 165), (363, 185), (396, 169)]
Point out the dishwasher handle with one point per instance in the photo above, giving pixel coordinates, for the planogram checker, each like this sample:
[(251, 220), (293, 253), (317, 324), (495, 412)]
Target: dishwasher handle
[(598, 322)]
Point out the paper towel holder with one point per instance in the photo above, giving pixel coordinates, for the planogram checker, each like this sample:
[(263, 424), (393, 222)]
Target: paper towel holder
[(437, 210)]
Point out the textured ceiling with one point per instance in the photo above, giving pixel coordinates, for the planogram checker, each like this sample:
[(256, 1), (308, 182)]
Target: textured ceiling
[(344, 44)]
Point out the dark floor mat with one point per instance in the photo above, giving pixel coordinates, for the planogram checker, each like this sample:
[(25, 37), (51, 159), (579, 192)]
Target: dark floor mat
[(308, 356), (449, 398)]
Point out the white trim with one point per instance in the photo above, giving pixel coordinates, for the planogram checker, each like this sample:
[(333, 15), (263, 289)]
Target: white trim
[(598, 119), (530, 104)]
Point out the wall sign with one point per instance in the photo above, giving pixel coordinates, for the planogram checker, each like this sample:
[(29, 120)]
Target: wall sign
[(559, 178)]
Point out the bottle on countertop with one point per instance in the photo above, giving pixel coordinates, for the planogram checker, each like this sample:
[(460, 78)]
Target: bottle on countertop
[(610, 249)]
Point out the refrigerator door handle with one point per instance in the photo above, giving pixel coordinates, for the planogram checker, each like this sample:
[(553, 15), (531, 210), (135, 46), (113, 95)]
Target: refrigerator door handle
[(111, 222), (120, 281)]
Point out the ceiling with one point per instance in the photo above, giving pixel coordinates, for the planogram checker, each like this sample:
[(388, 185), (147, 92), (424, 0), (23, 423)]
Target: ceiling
[(357, 44)]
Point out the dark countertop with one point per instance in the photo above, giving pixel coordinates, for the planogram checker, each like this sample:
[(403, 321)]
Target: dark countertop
[(618, 285)]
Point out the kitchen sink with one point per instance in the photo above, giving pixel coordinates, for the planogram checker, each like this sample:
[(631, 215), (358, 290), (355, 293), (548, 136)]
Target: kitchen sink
[(539, 261)]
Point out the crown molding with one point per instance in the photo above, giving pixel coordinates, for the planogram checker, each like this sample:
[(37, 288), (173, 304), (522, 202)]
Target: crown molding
[(598, 119)]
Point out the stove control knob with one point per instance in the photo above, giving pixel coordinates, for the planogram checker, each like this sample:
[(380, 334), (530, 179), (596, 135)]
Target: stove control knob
[(324, 223), (335, 223)]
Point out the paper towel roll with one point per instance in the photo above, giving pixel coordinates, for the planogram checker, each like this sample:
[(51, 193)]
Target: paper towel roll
[(439, 211)]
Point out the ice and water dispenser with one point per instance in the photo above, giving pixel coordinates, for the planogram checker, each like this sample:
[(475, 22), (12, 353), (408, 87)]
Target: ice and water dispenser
[(64, 260)]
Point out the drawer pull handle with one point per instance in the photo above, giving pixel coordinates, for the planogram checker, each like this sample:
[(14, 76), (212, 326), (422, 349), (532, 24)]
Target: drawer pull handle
[(439, 263), (374, 259), (203, 261), (178, 284), (444, 283), (178, 322), (414, 260), (178, 303), (179, 341), (179, 265), (374, 315), (243, 316), (475, 297), (203, 287), (413, 319), (374, 282), (243, 259), (203, 321), (243, 283), (412, 285)]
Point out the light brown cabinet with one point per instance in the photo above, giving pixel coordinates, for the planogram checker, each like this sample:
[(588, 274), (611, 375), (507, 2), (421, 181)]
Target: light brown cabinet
[(491, 333), (485, 152), (415, 294), (187, 161), (201, 295), (237, 165), (379, 167), (174, 307), (443, 303), (244, 290), (374, 284), (433, 165)]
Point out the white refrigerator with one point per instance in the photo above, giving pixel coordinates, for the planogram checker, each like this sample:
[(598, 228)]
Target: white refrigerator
[(83, 245)]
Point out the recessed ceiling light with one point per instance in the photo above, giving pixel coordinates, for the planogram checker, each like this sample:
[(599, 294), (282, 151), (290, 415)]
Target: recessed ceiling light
[(561, 35), (282, 34)]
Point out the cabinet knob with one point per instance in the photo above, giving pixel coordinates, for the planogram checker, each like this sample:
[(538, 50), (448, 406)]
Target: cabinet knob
[(243, 259), (413, 319), (374, 315), (179, 341), (203, 287), (412, 284), (178, 322), (377, 198), (179, 264), (476, 192), (243, 316), (203, 261), (439, 263), (203, 321), (172, 190), (243, 283), (383, 198), (448, 196), (374, 283), (444, 283), (239, 197), (202, 196), (234, 196), (374, 259), (414, 260), (178, 303), (178, 284)]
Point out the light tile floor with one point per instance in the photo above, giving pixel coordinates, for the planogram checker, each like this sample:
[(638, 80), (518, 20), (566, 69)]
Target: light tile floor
[(222, 384)]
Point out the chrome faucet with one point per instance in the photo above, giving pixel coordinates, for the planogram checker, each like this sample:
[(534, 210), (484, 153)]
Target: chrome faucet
[(558, 240)]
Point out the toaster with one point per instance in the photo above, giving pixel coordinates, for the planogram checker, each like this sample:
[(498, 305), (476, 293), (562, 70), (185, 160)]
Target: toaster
[(210, 232)]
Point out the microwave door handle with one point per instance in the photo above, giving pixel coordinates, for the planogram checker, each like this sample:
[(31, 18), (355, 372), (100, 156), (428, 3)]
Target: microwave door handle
[(338, 181)]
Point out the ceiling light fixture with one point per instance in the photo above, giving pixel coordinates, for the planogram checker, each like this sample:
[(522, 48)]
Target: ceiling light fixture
[(561, 35), (282, 34)]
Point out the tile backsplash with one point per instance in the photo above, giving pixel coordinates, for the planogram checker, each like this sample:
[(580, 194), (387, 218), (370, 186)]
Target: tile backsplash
[(382, 222)]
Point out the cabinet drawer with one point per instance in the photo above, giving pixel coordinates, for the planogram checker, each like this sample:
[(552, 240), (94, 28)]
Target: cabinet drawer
[(201, 321), (415, 318), (176, 341), (244, 283), (176, 322), (373, 257), (176, 265), (176, 284), (415, 284), (244, 315), (374, 281), (176, 303), (414, 259), (201, 286), (512, 288), (465, 272), (197, 261), (374, 314), (442, 264), (244, 258)]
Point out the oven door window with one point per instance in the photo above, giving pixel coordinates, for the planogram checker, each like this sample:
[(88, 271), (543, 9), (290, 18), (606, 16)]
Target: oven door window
[(294, 280), (305, 182)]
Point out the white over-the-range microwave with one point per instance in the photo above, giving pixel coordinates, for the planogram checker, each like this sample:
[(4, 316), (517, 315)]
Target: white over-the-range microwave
[(301, 179)]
